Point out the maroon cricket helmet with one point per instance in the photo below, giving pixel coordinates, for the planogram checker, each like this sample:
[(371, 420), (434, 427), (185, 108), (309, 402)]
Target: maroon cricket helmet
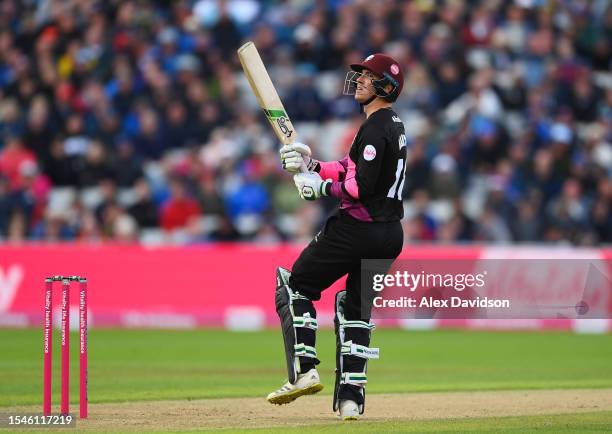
[(386, 67)]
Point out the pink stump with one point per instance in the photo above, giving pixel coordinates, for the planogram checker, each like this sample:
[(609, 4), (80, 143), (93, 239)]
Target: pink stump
[(47, 335), (83, 347), (65, 346)]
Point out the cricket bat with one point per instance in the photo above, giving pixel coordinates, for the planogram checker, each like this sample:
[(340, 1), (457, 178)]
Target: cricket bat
[(266, 94)]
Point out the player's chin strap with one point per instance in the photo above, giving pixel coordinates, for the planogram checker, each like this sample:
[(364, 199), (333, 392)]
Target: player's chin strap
[(298, 324), (352, 354)]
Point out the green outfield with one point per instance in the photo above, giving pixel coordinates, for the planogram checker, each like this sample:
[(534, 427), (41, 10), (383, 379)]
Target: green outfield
[(130, 366), (585, 422)]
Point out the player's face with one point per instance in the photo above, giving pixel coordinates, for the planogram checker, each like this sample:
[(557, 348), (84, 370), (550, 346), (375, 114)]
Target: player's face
[(365, 89)]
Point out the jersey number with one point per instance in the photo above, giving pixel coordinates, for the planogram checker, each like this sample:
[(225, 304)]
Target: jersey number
[(395, 192)]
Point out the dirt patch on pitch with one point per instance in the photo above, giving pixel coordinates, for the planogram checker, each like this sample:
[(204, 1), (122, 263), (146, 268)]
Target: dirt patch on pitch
[(307, 411)]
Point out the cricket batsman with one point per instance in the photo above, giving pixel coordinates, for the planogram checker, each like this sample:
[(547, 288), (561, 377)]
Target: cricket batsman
[(368, 183)]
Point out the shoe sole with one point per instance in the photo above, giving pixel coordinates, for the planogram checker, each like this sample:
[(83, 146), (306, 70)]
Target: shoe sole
[(292, 396), (350, 418)]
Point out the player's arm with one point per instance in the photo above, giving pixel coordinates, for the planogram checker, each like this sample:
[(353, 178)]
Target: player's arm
[(334, 170), (361, 177), (312, 185), (354, 180), (295, 155), (338, 178)]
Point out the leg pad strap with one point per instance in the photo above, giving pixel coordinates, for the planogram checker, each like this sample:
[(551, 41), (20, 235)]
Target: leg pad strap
[(355, 378), (352, 349), (305, 321), (305, 351)]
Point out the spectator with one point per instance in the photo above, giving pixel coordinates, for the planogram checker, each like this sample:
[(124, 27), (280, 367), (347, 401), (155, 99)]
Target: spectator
[(178, 131), (13, 160), (96, 166), (492, 228), (10, 122), (449, 83), (6, 206), (149, 140), (144, 210), (179, 209), (127, 166), (507, 107)]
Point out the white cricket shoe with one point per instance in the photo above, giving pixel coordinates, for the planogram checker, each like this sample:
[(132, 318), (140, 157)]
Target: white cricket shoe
[(349, 410), (306, 384)]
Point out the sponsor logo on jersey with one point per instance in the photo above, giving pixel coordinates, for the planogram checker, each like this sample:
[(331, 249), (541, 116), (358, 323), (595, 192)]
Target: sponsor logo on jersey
[(396, 119), (369, 153)]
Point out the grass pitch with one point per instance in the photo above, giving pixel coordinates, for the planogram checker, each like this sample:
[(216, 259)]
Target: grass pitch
[(152, 365)]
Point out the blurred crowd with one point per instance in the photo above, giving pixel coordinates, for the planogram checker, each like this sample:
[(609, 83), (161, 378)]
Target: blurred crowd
[(130, 120)]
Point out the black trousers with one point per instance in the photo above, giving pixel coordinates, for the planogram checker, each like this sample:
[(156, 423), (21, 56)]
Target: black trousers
[(336, 251)]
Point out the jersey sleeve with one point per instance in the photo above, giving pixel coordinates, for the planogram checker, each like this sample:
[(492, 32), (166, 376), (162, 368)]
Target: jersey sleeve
[(361, 176), (368, 165), (334, 170)]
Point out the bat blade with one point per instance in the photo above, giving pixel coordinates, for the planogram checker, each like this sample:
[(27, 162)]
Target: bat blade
[(266, 94)]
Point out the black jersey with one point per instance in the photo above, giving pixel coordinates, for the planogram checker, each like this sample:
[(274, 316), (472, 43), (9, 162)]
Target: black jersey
[(370, 179)]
